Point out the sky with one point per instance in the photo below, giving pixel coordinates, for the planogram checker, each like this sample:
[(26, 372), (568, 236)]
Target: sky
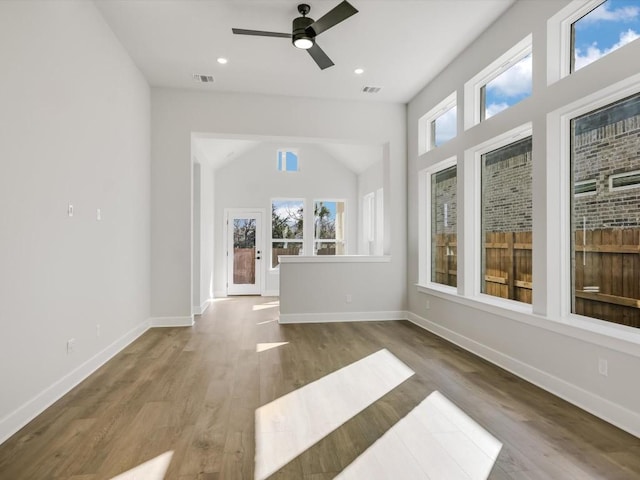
[(605, 29), (608, 27), (446, 126)]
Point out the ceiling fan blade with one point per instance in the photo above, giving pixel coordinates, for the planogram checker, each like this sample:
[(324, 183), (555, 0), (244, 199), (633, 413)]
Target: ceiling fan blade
[(260, 33), (320, 57), (341, 12)]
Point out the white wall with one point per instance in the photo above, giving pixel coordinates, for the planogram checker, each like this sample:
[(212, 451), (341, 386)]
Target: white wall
[(196, 237), (74, 127), (207, 231), (177, 113), (544, 348), (370, 181), (252, 181)]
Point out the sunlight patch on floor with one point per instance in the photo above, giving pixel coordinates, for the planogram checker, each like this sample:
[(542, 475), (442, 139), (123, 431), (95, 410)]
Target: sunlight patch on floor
[(257, 308), (294, 422), (267, 321), (262, 347), (435, 440), (154, 469)]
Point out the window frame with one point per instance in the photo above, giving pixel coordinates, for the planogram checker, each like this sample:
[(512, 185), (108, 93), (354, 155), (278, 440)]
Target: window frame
[(471, 284), (586, 182), (612, 188), (330, 240), (559, 288), (560, 42), (473, 89), (283, 240), (426, 134), (425, 237), (279, 161)]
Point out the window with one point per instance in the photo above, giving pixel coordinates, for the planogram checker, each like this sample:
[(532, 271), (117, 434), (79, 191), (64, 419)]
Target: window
[(443, 219), (328, 217), (287, 160), (587, 30), (501, 85), (372, 223), (506, 218), (444, 127), (508, 88), (439, 125), (605, 28), (623, 181), (585, 187), (287, 222), (369, 219), (605, 226)]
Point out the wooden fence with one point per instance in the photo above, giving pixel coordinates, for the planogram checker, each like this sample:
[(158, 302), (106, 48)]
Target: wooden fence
[(607, 275), (606, 280), (508, 265), (275, 252), (244, 266), (446, 259)]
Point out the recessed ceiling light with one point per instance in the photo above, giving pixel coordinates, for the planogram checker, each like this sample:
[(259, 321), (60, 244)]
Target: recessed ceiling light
[(222, 60), (358, 71)]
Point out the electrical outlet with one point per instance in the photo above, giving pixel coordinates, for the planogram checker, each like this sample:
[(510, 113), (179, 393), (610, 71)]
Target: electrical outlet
[(71, 345), (348, 298), (603, 367), (98, 214)]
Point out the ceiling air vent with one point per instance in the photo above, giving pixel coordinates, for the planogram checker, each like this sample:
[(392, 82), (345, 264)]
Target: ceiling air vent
[(371, 89), (203, 78)]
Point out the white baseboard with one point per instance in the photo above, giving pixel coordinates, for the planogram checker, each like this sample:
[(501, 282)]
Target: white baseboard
[(613, 413), (341, 317), (171, 321), (220, 294), (271, 293), (199, 310), (13, 422)]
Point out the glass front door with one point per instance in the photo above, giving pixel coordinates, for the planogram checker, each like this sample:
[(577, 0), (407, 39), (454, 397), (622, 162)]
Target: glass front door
[(244, 253)]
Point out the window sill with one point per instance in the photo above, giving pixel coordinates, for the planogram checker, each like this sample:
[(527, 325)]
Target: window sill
[(617, 337)]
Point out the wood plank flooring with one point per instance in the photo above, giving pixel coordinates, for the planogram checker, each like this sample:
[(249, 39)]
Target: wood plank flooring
[(193, 392)]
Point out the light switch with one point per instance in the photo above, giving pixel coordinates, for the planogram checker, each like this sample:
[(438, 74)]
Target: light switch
[(98, 214), (70, 210)]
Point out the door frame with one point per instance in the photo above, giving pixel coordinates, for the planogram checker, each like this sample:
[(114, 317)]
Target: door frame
[(260, 244)]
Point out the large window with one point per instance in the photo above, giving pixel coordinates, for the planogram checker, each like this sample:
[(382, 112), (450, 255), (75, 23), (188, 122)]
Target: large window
[(605, 240), (607, 27), (506, 216), (287, 222), (444, 207), (328, 218)]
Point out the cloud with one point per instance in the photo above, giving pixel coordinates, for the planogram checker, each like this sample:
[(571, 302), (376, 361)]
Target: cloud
[(515, 81), (446, 126), (603, 13), (494, 108), (593, 52)]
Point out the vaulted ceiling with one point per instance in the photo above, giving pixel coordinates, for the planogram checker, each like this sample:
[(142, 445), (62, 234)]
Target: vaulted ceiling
[(400, 44)]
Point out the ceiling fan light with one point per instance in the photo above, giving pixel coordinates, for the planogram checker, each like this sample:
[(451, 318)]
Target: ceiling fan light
[(303, 43)]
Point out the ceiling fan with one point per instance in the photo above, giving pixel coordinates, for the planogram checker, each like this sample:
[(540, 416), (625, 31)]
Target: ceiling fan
[(306, 29)]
